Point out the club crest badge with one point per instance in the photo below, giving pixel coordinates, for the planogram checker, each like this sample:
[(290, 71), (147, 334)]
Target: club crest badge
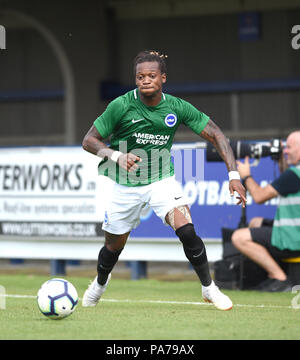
[(171, 120)]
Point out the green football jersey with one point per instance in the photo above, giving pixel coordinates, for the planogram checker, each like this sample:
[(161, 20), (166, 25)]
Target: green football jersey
[(146, 131)]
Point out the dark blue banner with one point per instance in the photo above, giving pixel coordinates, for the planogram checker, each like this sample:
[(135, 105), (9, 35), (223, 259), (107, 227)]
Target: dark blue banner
[(249, 26)]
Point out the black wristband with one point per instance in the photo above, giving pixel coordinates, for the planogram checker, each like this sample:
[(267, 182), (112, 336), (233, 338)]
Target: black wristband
[(246, 177)]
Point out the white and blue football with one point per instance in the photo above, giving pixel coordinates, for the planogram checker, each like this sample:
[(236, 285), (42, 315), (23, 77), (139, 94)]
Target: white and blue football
[(57, 298)]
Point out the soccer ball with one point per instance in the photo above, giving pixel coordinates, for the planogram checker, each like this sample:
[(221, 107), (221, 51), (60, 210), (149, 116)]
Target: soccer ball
[(57, 298)]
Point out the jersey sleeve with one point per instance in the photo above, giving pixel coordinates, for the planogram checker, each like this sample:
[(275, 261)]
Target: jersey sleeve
[(287, 183), (107, 121), (192, 117)]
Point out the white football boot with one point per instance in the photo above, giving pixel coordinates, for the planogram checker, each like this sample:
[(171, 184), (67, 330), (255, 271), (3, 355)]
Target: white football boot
[(94, 292), (213, 295)]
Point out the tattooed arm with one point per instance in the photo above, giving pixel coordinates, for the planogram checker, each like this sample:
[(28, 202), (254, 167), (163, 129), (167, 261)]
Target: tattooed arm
[(93, 143), (213, 134)]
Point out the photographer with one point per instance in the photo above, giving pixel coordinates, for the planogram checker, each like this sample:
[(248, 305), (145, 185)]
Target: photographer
[(264, 243)]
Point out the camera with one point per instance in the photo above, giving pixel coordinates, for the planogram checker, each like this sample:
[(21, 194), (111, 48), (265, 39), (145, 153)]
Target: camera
[(241, 149)]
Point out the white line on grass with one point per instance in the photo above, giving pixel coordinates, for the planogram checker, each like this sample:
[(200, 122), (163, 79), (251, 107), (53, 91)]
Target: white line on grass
[(163, 302)]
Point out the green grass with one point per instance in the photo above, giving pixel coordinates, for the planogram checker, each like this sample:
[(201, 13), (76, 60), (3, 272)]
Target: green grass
[(254, 316)]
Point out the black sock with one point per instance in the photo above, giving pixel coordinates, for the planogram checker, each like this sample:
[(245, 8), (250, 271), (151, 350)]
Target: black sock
[(194, 250), (106, 261), (203, 273)]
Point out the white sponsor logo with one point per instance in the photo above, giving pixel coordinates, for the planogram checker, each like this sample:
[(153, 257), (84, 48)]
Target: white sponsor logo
[(145, 138)]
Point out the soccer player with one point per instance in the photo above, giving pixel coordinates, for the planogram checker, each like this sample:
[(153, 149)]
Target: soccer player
[(142, 124)]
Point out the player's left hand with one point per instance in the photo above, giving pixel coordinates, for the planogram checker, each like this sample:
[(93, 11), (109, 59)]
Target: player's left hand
[(236, 185)]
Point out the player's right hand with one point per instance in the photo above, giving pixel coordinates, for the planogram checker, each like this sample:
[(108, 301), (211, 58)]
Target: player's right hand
[(129, 162)]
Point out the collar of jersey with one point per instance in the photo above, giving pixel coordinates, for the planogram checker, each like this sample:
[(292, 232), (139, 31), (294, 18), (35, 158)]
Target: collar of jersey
[(136, 96)]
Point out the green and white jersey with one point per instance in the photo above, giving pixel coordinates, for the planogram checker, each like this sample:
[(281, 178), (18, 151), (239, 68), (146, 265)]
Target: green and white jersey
[(146, 131), (286, 227)]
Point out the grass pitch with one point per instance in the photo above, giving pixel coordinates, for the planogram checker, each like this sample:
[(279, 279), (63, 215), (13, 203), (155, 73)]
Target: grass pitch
[(147, 310)]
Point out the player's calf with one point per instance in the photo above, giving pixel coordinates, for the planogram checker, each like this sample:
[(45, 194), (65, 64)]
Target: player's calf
[(195, 251), (106, 262)]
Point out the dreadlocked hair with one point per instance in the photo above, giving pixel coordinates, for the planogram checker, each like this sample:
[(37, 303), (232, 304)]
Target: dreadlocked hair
[(151, 56)]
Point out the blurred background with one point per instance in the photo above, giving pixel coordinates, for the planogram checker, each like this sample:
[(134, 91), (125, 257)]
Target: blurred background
[(63, 61)]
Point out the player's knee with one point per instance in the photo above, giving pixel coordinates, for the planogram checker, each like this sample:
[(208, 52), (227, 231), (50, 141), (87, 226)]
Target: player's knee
[(178, 215), (107, 260), (115, 242)]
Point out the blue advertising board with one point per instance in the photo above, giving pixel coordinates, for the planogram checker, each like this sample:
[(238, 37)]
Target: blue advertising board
[(206, 186), (249, 26)]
